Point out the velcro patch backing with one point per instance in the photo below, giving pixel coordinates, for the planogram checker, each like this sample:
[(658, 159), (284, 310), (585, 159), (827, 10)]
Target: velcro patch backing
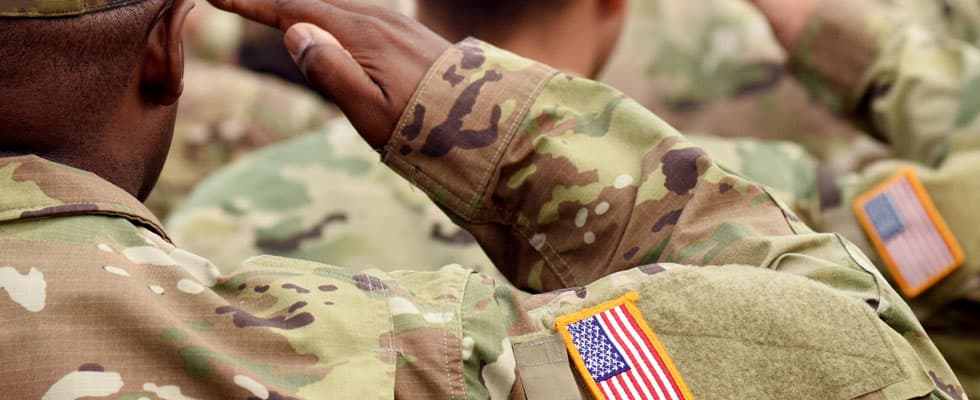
[(909, 233), (617, 354)]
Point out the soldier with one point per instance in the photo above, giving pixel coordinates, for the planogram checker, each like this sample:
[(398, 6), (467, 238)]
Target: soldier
[(928, 114), (792, 174), (714, 67), (271, 203), (98, 302)]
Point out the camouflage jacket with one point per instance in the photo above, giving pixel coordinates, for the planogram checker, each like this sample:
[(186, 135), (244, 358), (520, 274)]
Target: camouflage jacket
[(914, 86), (714, 67), (927, 112), (226, 112), (99, 303), (275, 201)]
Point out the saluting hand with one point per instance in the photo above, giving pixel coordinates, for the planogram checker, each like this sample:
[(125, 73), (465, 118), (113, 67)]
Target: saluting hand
[(367, 58)]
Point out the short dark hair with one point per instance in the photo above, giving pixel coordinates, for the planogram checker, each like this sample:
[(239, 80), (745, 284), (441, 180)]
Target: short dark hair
[(82, 62), (486, 19)]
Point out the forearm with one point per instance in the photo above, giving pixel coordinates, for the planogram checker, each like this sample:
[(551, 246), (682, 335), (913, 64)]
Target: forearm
[(565, 180)]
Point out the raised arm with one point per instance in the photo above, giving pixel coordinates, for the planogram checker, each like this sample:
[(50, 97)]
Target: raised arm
[(907, 84)]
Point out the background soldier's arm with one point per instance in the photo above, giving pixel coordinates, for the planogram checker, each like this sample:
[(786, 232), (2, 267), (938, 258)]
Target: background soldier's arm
[(908, 85)]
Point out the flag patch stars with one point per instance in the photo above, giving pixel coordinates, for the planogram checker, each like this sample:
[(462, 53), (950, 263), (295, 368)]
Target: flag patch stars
[(908, 232), (618, 356)]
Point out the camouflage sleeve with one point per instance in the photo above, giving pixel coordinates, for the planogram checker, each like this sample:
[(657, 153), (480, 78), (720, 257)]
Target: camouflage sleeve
[(565, 180), (905, 83)]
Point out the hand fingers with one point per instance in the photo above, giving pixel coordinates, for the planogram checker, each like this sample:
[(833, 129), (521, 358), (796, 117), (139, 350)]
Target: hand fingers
[(282, 14), (331, 68)]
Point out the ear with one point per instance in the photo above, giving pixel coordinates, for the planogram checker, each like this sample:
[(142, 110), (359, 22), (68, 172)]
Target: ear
[(163, 65)]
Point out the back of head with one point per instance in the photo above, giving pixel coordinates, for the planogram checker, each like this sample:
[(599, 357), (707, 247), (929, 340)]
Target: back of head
[(490, 20), (67, 71), (92, 83)]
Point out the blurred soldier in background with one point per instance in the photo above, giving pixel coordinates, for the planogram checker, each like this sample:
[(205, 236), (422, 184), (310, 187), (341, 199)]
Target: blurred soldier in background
[(273, 202), (228, 111), (823, 196)]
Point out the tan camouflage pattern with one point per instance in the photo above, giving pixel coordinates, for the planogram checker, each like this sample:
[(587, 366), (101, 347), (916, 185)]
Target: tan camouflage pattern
[(275, 202), (97, 303), (714, 67), (227, 112), (686, 228), (57, 8), (928, 112)]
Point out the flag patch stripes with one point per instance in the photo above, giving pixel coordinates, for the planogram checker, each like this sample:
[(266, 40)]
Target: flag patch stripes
[(617, 354), (909, 233)]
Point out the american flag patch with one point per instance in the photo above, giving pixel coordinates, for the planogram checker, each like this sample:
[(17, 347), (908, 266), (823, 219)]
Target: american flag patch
[(618, 355), (909, 233)]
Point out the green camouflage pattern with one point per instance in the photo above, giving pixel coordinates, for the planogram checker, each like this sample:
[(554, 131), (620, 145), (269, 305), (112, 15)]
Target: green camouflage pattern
[(929, 113), (57, 8), (926, 112), (714, 67), (275, 202), (226, 112), (804, 316)]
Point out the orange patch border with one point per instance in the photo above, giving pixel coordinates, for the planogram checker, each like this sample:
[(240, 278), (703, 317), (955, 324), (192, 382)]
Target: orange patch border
[(629, 300), (934, 215)]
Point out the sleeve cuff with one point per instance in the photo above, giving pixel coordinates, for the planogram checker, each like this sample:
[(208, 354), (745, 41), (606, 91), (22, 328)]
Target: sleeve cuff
[(460, 122), (839, 45)]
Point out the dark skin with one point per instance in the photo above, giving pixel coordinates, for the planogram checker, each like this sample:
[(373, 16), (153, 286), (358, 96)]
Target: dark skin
[(370, 63), (130, 146), (577, 37), (152, 104)]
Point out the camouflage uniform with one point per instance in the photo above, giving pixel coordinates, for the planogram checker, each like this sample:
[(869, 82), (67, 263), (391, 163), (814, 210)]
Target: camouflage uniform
[(99, 303), (226, 112), (926, 111), (714, 67), (274, 202)]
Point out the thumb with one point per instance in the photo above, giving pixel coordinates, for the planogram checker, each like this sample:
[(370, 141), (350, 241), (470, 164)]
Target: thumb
[(333, 71)]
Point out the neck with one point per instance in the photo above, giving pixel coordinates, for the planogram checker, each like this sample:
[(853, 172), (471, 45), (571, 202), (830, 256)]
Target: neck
[(546, 43), (127, 152), (551, 48)]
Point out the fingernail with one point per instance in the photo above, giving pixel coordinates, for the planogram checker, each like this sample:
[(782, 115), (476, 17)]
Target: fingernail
[(298, 38)]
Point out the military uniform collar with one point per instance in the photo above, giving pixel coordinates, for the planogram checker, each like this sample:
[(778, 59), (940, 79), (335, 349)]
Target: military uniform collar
[(33, 187)]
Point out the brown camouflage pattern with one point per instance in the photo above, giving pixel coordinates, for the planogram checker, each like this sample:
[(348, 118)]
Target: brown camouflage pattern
[(57, 8), (147, 319), (225, 113)]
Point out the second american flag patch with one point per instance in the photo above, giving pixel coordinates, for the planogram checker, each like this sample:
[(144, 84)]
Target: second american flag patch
[(911, 236), (617, 354)]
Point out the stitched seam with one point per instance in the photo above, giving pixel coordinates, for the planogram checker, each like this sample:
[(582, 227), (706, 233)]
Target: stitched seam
[(538, 344), (563, 276), (445, 351), (512, 131), (555, 361), (451, 200), (119, 214), (392, 348), (878, 289), (396, 138), (458, 312), (463, 207)]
